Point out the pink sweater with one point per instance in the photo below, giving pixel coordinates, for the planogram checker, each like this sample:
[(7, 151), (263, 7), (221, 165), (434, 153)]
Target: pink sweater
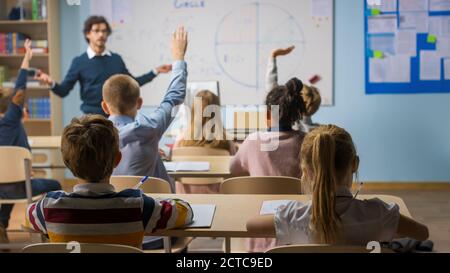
[(250, 160)]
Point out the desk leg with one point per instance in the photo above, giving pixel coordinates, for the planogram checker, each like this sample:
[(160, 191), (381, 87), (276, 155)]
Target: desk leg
[(227, 245), (167, 245)]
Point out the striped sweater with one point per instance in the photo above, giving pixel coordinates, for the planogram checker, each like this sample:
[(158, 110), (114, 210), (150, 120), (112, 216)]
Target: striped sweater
[(95, 213)]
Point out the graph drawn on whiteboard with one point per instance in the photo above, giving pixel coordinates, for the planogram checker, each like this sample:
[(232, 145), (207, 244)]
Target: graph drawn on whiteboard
[(244, 40), (229, 42)]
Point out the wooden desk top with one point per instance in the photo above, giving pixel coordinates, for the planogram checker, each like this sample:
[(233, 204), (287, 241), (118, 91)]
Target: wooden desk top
[(233, 212), (50, 142), (220, 167)]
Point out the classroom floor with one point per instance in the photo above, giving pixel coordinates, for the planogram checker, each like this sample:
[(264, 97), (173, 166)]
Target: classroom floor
[(431, 207)]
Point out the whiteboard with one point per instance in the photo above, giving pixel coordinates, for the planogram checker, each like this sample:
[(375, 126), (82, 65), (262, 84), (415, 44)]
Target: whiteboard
[(229, 42)]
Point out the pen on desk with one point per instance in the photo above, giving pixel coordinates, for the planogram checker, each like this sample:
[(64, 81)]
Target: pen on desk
[(145, 178)]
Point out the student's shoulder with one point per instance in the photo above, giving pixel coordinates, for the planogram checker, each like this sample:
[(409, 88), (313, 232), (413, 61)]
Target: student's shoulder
[(379, 207)]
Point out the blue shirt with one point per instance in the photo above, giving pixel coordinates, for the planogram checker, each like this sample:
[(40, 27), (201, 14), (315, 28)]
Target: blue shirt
[(139, 137), (12, 132), (92, 74)]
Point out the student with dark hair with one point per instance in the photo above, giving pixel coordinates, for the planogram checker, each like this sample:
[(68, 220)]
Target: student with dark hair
[(277, 152), (310, 94), (94, 67)]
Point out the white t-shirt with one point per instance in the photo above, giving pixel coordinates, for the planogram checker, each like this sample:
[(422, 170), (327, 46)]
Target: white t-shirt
[(362, 221)]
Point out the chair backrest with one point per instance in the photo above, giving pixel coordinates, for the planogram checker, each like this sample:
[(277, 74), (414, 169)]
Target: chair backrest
[(13, 163), (152, 185), (79, 248), (261, 185), (198, 151), (323, 249)]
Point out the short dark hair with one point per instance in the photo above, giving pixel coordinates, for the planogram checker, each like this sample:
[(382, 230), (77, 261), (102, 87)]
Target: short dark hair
[(95, 20), (89, 147), (288, 98)]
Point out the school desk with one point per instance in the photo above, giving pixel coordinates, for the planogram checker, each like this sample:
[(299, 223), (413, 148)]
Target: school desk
[(233, 212), (220, 167), (50, 142)]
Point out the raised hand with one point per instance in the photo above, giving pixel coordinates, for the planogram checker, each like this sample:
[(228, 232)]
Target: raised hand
[(282, 51), (179, 44), (28, 54), (166, 68)]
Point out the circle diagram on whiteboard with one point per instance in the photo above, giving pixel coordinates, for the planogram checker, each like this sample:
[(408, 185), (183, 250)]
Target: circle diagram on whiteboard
[(246, 36)]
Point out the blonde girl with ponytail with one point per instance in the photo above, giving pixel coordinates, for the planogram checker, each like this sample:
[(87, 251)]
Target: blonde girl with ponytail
[(334, 215)]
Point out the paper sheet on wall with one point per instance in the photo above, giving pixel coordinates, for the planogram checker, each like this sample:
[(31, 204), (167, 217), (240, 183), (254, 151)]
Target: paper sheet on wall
[(413, 5), (443, 47), (440, 26), (392, 69), (447, 69), (321, 8), (383, 42), (415, 20), (406, 43), (439, 5), (382, 24), (385, 6), (430, 65)]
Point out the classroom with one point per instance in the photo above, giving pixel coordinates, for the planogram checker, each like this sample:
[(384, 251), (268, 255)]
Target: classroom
[(220, 127)]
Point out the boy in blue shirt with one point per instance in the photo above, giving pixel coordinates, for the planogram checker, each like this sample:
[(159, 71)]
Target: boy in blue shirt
[(12, 133), (140, 135)]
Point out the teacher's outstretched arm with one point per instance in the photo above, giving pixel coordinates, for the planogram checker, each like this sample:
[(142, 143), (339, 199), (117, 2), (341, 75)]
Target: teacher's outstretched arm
[(146, 78), (61, 89)]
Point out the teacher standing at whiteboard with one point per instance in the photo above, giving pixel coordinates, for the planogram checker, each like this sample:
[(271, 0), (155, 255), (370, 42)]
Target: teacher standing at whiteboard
[(94, 67)]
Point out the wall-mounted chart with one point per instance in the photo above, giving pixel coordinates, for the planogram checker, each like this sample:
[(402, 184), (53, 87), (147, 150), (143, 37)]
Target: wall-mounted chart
[(407, 46)]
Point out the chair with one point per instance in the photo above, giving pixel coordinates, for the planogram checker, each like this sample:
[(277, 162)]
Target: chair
[(15, 167), (152, 185), (258, 185), (324, 249), (79, 248), (198, 152), (261, 185)]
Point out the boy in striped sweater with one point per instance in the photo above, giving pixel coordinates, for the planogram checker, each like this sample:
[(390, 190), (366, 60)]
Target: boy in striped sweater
[(94, 212)]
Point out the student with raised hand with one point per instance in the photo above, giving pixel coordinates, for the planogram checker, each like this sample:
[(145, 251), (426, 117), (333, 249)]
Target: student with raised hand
[(95, 212), (256, 157), (334, 215), (310, 94), (284, 159), (213, 135), (140, 134), (12, 133)]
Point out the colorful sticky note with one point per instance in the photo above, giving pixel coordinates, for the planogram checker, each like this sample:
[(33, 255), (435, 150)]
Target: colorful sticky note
[(377, 54), (375, 12), (431, 39)]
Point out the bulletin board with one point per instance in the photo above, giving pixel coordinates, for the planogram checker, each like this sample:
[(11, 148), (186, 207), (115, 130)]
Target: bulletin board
[(407, 46)]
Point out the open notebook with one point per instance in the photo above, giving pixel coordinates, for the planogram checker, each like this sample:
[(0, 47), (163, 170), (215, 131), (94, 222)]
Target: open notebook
[(187, 166), (203, 216)]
